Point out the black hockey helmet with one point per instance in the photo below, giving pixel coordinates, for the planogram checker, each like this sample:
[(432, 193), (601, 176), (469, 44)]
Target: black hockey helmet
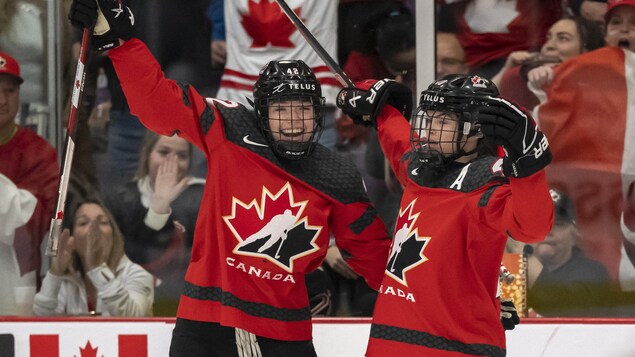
[(282, 86), (455, 97)]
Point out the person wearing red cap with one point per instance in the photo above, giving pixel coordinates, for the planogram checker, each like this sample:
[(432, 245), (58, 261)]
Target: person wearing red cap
[(595, 162), (28, 180)]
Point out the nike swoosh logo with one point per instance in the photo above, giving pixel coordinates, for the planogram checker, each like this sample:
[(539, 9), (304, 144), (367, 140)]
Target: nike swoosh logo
[(415, 171), (247, 141)]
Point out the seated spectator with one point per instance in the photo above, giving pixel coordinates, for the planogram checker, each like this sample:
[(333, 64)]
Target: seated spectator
[(28, 180), (91, 274), (562, 281), (567, 38), (594, 162), (157, 214)]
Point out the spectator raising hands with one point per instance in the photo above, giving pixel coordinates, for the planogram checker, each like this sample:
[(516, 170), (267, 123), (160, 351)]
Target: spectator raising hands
[(91, 274)]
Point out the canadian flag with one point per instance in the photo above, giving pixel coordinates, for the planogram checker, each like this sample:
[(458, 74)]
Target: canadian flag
[(128, 346)]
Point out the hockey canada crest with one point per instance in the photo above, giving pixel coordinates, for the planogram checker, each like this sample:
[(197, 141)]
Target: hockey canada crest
[(274, 228), (407, 247)]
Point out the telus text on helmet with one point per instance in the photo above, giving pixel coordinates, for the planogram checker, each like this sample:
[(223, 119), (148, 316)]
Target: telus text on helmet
[(433, 98), (301, 86)]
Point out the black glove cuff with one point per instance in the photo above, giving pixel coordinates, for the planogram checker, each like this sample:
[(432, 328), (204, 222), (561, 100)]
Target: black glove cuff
[(105, 42)]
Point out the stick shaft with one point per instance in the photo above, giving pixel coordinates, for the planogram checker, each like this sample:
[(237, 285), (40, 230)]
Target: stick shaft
[(69, 147), (317, 47)]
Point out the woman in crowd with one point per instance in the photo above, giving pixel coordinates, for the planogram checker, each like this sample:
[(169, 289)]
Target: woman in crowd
[(567, 38), (157, 213), (91, 274)]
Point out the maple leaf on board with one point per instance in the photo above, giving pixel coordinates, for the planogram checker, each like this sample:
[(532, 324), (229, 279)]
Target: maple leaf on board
[(266, 24), (88, 350)]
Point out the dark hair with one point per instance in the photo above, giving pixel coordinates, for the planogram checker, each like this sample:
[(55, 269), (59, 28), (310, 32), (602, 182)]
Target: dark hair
[(395, 33), (371, 32), (591, 34)]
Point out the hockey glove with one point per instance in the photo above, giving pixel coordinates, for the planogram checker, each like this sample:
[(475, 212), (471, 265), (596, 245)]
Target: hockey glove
[(509, 315), (526, 148), (83, 13), (115, 21), (365, 102)]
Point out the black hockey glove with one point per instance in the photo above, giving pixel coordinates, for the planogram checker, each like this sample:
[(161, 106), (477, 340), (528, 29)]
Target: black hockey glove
[(111, 20), (509, 315), (116, 22), (83, 13), (366, 101), (526, 148)]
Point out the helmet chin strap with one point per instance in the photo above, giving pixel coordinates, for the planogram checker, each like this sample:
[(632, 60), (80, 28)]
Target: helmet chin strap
[(432, 159)]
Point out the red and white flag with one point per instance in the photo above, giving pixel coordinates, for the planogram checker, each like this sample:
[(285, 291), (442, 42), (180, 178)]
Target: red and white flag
[(123, 346)]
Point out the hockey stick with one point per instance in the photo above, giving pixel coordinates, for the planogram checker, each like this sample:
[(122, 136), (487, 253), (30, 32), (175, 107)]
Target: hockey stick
[(78, 90), (317, 47)]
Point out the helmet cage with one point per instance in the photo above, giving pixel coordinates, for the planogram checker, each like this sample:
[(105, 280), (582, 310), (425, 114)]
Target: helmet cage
[(454, 98), (284, 86), (292, 138)]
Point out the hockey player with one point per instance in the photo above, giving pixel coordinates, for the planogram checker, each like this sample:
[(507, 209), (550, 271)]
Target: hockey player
[(438, 295), (258, 31), (248, 299)]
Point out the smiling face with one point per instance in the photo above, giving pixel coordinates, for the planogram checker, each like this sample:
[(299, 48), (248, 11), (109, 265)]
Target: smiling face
[(292, 120), (620, 27), (169, 147), (563, 41)]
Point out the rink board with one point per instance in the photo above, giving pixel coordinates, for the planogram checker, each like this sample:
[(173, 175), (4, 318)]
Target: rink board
[(107, 337)]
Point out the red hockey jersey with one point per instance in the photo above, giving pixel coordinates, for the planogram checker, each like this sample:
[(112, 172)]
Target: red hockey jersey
[(263, 223), (438, 295)]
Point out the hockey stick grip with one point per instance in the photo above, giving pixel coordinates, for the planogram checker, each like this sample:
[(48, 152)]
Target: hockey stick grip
[(69, 147)]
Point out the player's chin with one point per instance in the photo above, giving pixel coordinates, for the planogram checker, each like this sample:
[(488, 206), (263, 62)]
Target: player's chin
[(294, 144), (300, 138)]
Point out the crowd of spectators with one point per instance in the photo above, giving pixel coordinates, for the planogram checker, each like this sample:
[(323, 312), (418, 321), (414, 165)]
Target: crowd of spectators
[(568, 61)]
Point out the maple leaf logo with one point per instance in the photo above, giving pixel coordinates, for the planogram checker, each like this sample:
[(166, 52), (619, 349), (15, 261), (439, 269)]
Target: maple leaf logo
[(273, 229), (88, 351), (407, 247), (266, 24)]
